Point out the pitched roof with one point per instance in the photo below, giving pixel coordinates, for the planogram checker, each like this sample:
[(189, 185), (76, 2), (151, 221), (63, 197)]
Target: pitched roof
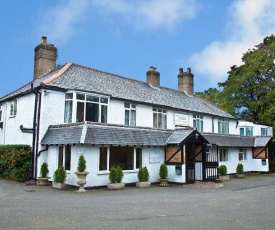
[(76, 77), (99, 134)]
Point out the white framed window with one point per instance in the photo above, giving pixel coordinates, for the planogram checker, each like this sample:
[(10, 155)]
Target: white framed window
[(159, 118), (130, 114), (242, 155), (198, 122), (246, 131), (85, 107), (128, 158), (223, 153), (1, 117), (13, 108), (263, 131), (223, 126), (64, 157)]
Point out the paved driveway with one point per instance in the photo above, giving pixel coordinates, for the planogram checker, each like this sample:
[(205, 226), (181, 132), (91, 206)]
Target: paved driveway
[(240, 204)]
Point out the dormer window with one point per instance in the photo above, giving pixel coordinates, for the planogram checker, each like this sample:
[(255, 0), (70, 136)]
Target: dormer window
[(85, 107), (246, 131)]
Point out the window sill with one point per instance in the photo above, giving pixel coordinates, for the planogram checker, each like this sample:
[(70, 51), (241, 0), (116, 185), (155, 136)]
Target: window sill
[(12, 116)]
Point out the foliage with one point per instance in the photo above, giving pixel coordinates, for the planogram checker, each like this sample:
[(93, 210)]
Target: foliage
[(116, 175), (143, 174), (120, 174), (223, 170), (239, 168), (81, 164), (163, 171), (15, 162), (44, 170), (250, 87), (60, 175)]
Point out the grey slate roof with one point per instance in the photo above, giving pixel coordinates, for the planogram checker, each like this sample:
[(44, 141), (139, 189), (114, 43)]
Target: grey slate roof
[(235, 140), (103, 134), (179, 135), (77, 77)]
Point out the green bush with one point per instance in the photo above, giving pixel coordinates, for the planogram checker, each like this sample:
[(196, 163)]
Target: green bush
[(239, 168), (81, 164), (60, 175), (116, 175), (143, 174), (44, 170), (223, 170), (15, 162), (163, 171)]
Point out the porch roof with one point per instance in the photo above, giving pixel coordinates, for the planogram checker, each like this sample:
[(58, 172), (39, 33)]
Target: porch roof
[(103, 134), (224, 140)]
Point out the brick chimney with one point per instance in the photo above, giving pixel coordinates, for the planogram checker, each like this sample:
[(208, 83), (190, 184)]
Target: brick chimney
[(186, 81), (45, 56), (152, 77)]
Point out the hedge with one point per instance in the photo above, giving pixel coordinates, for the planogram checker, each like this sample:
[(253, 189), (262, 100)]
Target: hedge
[(15, 162)]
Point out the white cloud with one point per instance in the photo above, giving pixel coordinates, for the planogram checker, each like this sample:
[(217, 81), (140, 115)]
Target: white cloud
[(151, 14), (249, 21), (61, 22)]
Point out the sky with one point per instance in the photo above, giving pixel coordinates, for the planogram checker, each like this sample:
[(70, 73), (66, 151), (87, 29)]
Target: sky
[(126, 37)]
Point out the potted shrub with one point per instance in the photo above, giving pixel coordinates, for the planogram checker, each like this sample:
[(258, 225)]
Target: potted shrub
[(163, 174), (239, 170), (81, 174), (43, 179), (223, 172), (59, 178), (143, 178), (115, 176)]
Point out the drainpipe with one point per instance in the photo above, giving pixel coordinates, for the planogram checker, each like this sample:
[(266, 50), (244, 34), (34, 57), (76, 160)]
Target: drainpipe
[(34, 132)]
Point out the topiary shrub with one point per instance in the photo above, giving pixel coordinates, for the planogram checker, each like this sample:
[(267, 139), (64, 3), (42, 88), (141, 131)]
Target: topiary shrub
[(60, 175), (223, 170), (44, 170), (163, 171), (239, 168), (116, 175), (143, 174), (81, 164), (113, 175)]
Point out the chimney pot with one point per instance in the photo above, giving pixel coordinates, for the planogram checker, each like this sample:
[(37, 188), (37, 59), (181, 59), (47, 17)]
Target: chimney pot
[(44, 40), (181, 70), (188, 70)]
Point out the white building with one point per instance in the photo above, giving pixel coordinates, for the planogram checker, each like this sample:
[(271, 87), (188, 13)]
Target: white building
[(111, 120)]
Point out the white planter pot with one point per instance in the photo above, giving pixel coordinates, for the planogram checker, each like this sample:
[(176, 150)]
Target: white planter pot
[(224, 178), (143, 184), (59, 185), (115, 186), (43, 181), (163, 182), (81, 181)]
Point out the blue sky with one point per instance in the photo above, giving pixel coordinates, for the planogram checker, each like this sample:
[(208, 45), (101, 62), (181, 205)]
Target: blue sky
[(127, 37)]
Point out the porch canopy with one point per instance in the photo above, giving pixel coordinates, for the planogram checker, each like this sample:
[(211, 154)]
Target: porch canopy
[(104, 134), (223, 140)]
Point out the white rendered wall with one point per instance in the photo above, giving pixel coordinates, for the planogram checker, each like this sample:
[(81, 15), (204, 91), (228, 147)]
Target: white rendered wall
[(256, 128), (249, 165)]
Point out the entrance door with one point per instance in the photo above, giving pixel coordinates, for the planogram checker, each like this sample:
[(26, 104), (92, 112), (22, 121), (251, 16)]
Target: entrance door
[(210, 164), (190, 163)]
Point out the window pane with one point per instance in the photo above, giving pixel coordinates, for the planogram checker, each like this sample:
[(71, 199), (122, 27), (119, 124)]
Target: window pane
[(69, 96), (92, 98), (103, 113), (127, 117), (104, 100), (67, 157), (133, 117), (60, 156), (138, 158), (80, 111), (80, 96), (122, 156), (68, 111), (103, 159), (242, 131), (92, 112), (0, 115), (155, 120), (15, 108), (159, 121), (126, 105)]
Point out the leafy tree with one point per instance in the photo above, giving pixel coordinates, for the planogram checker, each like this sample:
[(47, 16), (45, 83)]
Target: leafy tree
[(250, 87)]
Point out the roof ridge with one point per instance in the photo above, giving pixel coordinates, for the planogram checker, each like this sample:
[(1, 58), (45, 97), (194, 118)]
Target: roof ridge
[(57, 75)]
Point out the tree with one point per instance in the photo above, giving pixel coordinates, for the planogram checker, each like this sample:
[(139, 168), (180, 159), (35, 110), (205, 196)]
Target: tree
[(250, 87)]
